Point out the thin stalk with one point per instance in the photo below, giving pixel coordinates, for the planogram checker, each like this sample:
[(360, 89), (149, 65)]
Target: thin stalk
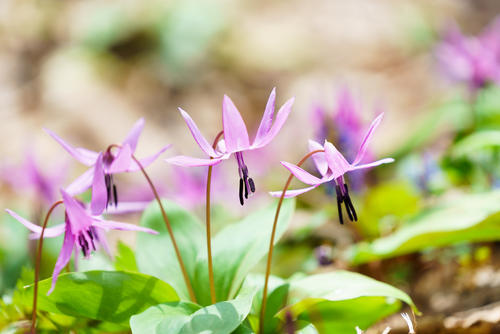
[(38, 263), (271, 243), (170, 231), (213, 296)]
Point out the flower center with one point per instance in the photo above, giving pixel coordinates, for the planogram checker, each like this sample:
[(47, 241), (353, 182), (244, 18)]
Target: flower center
[(343, 197), (86, 241), (112, 194), (247, 186)]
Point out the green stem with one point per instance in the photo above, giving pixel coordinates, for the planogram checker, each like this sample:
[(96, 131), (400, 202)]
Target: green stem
[(170, 231), (38, 262), (213, 295), (271, 243)]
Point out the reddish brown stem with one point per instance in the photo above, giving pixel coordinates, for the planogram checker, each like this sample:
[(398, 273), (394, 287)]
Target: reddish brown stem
[(213, 296), (38, 264), (271, 244), (170, 231)]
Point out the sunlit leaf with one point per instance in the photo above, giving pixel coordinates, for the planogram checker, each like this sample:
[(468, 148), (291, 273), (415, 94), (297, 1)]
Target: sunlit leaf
[(155, 254), (111, 296), (470, 218), (185, 318), (237, 249), (336, 302)]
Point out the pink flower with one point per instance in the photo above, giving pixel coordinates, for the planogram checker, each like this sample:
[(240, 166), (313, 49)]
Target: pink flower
[(103, 165), (332, 165), (236, 139), (82, 231)]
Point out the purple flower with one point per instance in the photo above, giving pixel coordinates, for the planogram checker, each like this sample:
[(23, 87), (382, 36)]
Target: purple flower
[(332, 165), (103, 165), (29, 176), (82, 231), (236, 139), (472, 60)]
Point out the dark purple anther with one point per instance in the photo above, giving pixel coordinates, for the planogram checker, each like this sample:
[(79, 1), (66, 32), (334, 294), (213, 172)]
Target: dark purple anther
[(247, 186)]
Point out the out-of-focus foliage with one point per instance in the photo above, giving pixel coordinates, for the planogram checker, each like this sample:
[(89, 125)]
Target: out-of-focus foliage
[(467, 218)]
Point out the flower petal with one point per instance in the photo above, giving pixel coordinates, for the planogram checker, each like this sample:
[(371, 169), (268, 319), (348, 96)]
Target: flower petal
[(78, 218), (64, 257), (373, 164), (85, 156), (114, 225), (366, 140), (302, 175), (147, 161), (99, 190), (50, 232), (336, 162), (318, 158), (101, 237), (133, 136), (185, 161), (198, 137), (267, 118), (235, 131), (82, 183), (126, 207), (292, 193), (281, 117), (122, 161)]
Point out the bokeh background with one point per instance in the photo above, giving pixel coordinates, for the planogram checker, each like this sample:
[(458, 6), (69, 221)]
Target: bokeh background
[(89, 69)]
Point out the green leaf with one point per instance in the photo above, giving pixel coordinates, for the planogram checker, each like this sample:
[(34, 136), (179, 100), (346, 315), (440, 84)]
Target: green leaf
[(237, 249), (337, 302), (475, 142), (111, 296), (155, 254), (469, 218), (384, 205), (125, 258), (183, 318)]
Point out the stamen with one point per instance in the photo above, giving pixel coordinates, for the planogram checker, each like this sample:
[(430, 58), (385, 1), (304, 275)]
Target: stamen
[(241, 191), (339, 204), (349, 205), (107, 180), (89, 233), (252, 184), (246, 187), (115, 195)]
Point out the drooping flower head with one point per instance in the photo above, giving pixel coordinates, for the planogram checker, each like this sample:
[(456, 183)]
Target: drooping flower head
[(115, 159), (474, 60), (82, 232), (236, 139), (332, 165)]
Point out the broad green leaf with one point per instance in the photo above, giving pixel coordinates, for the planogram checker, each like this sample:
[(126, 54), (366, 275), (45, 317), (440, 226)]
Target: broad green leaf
[(111, 296), (391, 201), (237, 249), (183, 318), (337, 302), (125, 258), (155, 254), (469, 218), (475, 142), (277, 298)]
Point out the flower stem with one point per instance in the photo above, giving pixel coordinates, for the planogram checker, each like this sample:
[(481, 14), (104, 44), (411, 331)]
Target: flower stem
[(271, 243), (38, 263), (213, 296), (170, 231)]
